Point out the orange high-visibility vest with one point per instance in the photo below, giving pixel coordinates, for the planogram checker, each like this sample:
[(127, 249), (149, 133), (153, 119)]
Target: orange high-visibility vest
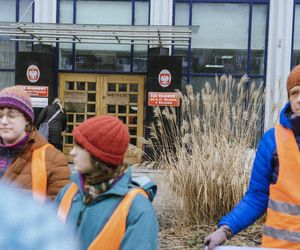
[(39, 173), (66, 202), (113, 231), (282, 227)]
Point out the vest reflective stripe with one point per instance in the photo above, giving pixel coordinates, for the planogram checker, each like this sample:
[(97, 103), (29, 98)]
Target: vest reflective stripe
[(281, 244), (284, 207), (281, 234), (282, 228), (279, 219), (112, 234), (39, 173), (66, 202)]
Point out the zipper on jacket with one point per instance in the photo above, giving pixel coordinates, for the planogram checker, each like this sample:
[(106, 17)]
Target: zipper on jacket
[(80, 216)]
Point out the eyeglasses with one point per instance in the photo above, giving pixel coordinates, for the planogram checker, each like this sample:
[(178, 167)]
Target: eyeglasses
[(10, 115)]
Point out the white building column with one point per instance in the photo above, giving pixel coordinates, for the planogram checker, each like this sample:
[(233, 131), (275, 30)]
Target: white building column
[(279, 58), (161, 13), (45, 11)]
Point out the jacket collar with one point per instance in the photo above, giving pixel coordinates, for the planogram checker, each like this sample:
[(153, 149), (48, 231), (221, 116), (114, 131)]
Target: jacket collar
[(121, 187), (285, 116), (36, 139)]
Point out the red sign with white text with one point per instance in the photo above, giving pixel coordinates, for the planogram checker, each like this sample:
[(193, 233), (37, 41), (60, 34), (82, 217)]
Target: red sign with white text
[(35, 91), (164, 99)]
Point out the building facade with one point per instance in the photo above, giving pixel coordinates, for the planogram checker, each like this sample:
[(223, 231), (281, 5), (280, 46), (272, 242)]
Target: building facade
[(260, 38)]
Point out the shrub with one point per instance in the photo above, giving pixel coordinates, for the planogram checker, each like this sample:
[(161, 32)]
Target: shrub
[(207, 159)]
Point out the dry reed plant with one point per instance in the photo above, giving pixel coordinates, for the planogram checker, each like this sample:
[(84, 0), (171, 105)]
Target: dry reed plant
[(207, 158)]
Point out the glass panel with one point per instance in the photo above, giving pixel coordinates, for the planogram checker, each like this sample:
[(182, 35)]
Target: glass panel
[(79, 118), (110, 57), (91, 108), (111, 108), (7, 79), (25, 46), (122, 118), (133, 131), (7, 53), (100, 12), (70, 118), (224, 49), (7, 11), (141, 13), (198, 83), (69, 128), (69, 85), (65, 56), (133, 109), (182, 12), (132, 120), (91, 86), (178, 51), (89, 116), (80, 85), (24, 4), (122, 109), (91, 97), (133, 141), (259, 20), (122, 87), (133, 87), (111, 86), (69, 139), (66, 11), (132, 98), (297, 36), (140, 58)]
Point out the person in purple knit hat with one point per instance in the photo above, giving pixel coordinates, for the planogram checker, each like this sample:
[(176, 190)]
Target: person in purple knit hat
[(26, 158)]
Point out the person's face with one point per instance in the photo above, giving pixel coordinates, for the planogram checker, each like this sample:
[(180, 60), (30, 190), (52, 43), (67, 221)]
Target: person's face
[(294, 97), (12, 125), (82, 161)]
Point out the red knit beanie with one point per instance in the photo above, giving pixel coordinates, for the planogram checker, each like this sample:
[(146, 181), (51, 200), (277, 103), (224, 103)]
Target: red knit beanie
[(104, 137), (293, 78)]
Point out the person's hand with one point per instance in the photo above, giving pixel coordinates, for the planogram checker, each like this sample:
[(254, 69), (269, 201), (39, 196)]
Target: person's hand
[(218, 237)]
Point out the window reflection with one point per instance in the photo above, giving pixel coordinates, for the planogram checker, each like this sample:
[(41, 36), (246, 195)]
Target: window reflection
[(221, 42), (219, 61), (103, 57), (296, 49)]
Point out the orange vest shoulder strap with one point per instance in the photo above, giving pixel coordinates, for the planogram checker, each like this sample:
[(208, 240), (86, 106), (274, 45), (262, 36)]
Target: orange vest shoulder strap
[(113, 232), (66, 202), (39, 172)]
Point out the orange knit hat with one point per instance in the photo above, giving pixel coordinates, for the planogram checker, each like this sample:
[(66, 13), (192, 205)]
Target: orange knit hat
[(293, 78), (104, 137)]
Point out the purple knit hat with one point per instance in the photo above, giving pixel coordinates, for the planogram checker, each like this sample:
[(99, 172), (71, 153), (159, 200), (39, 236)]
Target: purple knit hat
[(17, 98)]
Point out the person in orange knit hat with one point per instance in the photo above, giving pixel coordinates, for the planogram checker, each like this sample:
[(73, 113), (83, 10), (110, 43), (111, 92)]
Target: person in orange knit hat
[(26, 158), (108, 208), (274, 185)]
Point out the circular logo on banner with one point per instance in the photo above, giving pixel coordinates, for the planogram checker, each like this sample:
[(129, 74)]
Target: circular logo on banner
[(33, 73), (164, 78)]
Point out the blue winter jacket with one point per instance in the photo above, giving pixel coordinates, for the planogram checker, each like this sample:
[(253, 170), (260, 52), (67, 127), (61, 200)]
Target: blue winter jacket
[(89, 220), (264, 172)]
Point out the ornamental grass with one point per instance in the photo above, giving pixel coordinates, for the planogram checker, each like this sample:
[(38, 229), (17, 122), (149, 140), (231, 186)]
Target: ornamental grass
[(206, 159)]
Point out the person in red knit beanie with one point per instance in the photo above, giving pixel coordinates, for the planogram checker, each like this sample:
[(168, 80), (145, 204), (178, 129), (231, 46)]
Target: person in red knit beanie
[(108, 208)]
